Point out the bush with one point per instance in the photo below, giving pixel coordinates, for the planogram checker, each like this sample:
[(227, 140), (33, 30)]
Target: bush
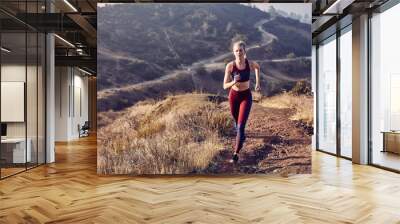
[(302, 88)]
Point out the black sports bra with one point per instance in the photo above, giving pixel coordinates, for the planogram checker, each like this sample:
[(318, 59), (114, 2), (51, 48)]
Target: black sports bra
[(244, 74)]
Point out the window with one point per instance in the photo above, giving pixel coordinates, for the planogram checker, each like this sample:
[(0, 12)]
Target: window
[(327, 96), (385, 89), (23, 77), (346, 92)]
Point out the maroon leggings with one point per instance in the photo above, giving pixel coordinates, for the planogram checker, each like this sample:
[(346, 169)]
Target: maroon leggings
[(240, 103)]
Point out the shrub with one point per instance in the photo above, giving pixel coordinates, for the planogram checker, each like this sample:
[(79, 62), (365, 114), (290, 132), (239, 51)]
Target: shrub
[(302, 88), (179, 135)]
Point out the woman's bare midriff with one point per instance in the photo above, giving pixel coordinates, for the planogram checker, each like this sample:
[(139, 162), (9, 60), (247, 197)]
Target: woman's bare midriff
[(241, 86)]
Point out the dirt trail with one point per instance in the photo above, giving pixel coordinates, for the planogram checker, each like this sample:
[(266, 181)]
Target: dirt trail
[(274, 144), (212, 61)]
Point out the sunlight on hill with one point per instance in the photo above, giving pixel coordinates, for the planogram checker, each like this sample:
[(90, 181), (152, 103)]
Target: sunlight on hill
[(178, 135), (301, 104)]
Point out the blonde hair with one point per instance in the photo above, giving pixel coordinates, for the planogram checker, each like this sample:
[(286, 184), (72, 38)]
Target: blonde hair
[(241, 43)]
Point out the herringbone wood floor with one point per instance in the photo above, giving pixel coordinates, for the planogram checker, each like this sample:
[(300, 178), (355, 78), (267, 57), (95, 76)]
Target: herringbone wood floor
[(70, 191)]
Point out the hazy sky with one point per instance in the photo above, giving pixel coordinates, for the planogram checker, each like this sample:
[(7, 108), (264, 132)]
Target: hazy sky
[(298, 8)]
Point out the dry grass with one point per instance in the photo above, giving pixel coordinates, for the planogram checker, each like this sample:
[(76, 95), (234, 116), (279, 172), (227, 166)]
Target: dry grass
[(178, 135), (301, 104)]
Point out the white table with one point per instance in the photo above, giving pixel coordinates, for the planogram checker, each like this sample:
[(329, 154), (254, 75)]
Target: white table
[(18, 145)]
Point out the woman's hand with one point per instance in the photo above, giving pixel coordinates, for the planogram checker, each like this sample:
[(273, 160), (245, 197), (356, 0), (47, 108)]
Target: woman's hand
[(236, 78), (256, 68)]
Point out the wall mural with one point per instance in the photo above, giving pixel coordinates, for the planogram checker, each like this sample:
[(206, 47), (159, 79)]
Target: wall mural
[(204, 88)]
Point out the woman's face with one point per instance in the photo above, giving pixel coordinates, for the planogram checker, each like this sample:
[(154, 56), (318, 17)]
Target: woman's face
[(238, 51)]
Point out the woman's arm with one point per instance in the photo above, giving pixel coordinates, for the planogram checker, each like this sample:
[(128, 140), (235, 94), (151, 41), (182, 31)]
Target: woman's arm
[(256, 69), (228, 83)]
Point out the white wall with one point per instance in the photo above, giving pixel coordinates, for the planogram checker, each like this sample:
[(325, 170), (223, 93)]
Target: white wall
[(33, 126), (71, 94), (81, 103), (62, 80), (12, 73)]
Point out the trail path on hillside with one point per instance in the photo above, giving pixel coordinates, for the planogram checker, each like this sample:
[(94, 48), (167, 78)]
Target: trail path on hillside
[(267, 39), (274, 144)]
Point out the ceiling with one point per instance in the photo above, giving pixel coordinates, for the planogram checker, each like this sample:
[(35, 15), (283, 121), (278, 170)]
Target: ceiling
[(75, 22)]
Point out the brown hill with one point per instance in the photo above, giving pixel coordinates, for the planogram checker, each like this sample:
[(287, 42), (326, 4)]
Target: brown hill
[(192, 133), (201, 79), (141, 42)]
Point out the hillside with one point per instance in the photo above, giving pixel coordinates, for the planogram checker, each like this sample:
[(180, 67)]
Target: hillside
[(193, 133), (148, 51), (167, 36)]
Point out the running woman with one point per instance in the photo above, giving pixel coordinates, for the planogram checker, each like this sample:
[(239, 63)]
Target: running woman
[(237, 78)]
